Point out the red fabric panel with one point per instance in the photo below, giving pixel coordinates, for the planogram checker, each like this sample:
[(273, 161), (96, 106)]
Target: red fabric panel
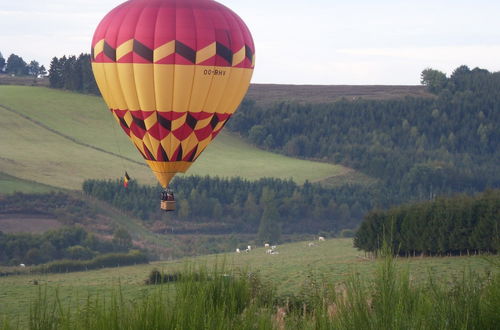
[(145, 30), (203, 133), (129, 23), (183, 132), (201, 115), (194, 23)]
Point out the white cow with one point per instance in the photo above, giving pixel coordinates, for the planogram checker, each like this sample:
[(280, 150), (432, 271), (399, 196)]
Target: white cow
[(249, 248), (321, 238), (22, 265), (266, 245), (238, 251)]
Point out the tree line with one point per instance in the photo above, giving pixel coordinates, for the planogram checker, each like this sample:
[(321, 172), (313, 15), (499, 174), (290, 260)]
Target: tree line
[(219, 205), (15, 65), (417, 147), (70, 242), (456, 225), (73, 73)]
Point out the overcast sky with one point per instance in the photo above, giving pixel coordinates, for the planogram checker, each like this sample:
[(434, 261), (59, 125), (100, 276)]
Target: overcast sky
[(298, 42)]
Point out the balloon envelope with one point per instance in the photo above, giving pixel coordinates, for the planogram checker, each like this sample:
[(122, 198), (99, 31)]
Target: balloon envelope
[(172, 73)]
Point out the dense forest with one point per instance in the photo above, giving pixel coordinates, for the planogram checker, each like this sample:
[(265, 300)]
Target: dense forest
[(242, 206), (458, 225), (417, 147)]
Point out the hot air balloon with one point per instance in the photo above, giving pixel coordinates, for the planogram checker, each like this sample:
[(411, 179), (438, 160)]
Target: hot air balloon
[(172, 73)]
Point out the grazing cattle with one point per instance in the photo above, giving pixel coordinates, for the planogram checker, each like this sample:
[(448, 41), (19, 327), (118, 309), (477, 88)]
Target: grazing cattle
[(321, 238), (22, 265), (266, 245), (269, 251), (238, 251), (273, 247), (249, 248), (311, 244)]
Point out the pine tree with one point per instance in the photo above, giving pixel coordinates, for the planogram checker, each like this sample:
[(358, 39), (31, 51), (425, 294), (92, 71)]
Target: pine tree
[(269, 228), (2, 62)]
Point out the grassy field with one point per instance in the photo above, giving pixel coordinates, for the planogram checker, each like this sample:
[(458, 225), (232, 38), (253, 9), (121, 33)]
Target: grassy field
[(10, 184), (289, 271), (60, 138)]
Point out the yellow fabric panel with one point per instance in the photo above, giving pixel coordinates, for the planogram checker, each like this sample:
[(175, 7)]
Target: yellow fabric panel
[(169, 167), (124, 49), (164, 51), (178, 122), (201, 87), (128, 118), (170, 143), (203, 123), (239, 92), (151, 143), (168, 87), (144, 85), (164, 86), (98, 48), (137, 142), (127, 82), (163, 178), (100, 78), (219, 125), (151, 120), (189, 143), (204, 54), (183, 85), (202, 145), (217, 90), (114, 85), (147, 142), (165, 171), (234, 83), (239, 56), (253, 61)]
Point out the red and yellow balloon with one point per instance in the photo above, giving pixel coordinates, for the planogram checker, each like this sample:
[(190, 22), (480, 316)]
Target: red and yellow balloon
[(172, 73)]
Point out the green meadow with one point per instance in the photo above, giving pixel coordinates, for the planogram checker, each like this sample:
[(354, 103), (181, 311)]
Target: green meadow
[(60, 138), (289, 272)]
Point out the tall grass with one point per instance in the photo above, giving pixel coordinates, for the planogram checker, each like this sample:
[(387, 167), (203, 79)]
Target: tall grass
[(214, 299)]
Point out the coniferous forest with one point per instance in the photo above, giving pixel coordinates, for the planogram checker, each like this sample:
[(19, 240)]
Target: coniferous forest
[(417, 147), (237, 205), (444, 226)]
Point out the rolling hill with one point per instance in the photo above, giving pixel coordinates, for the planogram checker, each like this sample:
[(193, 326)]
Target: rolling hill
[(60, 138), (273, 93)]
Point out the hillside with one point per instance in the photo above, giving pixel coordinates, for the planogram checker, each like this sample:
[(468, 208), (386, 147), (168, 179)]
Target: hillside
[(273, 93), (60, 138)]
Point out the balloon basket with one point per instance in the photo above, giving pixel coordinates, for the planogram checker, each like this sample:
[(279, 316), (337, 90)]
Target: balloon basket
[(167, 206)]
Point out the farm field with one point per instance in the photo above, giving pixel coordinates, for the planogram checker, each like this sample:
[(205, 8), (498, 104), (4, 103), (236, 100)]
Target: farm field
[(60, 138), (10, 184), (333, 260), (274, 93)]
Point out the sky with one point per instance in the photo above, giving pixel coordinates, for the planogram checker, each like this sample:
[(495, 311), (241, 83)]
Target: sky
[(327, 42)]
